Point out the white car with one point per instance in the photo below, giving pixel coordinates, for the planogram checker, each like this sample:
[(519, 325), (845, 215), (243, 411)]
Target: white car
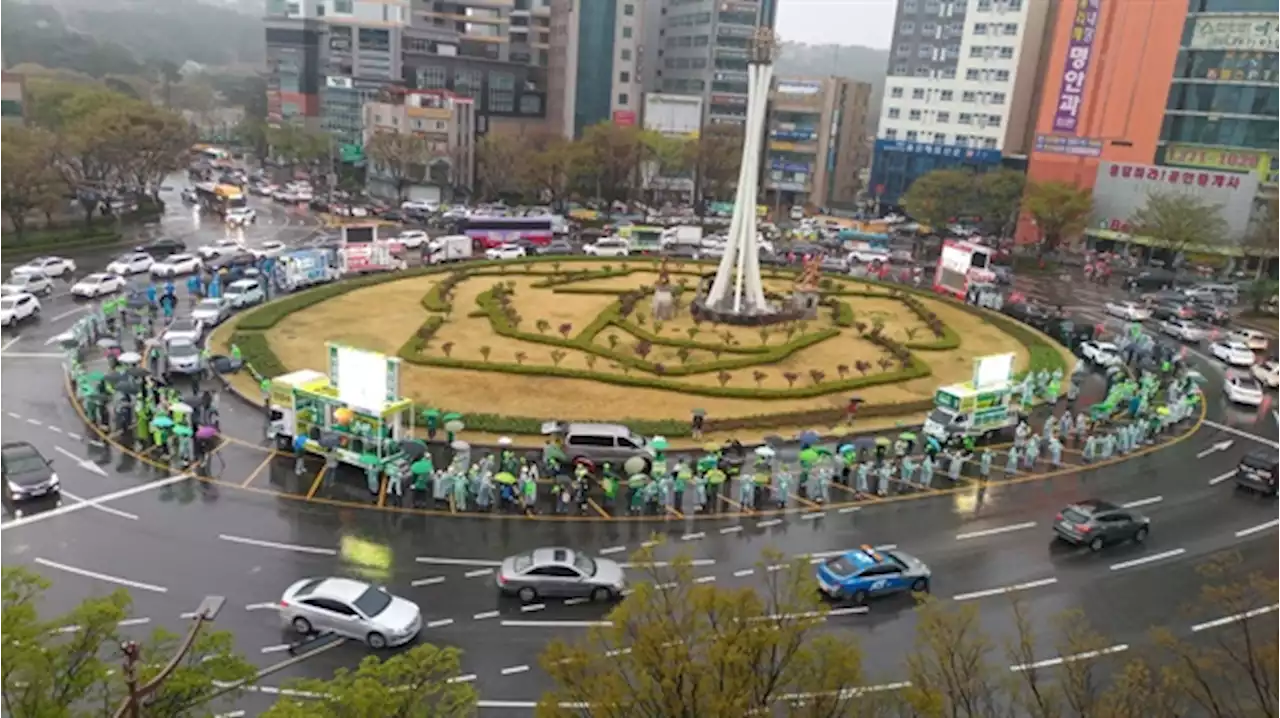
[(97, 285), (797, 212), (608, 247), (1132, 311), (1241, 389), (420, 205), (1268, 372), (1187, 331), (505, 251), (412, 239), (219, 247), (1252, 338), (1103, 354), (350, 608), (210, 311), (31, 283), (181, 356), (1232, 352), (132, 263), (241, 216), (457, 212), (270, 248), (48, 266), (175, 264), (16, 307), (187, 330), (244, 293)]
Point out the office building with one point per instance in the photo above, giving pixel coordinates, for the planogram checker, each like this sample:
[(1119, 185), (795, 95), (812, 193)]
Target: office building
[(13, 101), (362, 56), (295, 35), (962, 79), (700, 49), (678, 117), (446, 123), (596, 63), (814, 143)]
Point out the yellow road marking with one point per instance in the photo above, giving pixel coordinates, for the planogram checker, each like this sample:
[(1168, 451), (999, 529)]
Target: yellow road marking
[(594, 505), (257, 471), (675, 511), (315, 485), (382, 492)]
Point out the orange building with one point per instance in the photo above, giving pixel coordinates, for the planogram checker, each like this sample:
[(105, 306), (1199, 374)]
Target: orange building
[(1104, 90)]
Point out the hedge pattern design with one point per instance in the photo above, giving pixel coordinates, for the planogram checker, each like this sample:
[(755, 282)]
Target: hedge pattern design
[(249, 334)]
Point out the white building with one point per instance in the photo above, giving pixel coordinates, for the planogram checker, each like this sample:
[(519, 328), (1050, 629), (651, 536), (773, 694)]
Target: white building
[(963, 73)]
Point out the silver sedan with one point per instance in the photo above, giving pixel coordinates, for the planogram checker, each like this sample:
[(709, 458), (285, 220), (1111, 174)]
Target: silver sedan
[(562, 573), (350, 608)]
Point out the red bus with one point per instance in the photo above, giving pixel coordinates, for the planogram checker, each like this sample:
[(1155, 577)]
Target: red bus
[(489, 232)]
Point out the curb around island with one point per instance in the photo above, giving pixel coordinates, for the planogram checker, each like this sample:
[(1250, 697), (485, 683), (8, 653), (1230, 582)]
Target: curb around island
[(553, 518)]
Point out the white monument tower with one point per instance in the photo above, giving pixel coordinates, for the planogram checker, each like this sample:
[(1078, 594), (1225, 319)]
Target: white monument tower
[(737, 287)]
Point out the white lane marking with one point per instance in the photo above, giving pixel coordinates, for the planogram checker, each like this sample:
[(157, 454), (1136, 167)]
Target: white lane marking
[(74, 435), (818, 515), (1221, 477), (847, 611), (262, 606), (704, 579), (773, 567), (85, 464), (9, 343), (464, 678), (1235, 618), (102, 576), (457, 561), (1148, 559), (62, 510), (232, 714), (1087, 655), (744, 572), (1004, 589), (694, 536), (767, 523), (730, 530), (847, 692), (648, 544), (34, 422), (849, 509), (1215, 448), (68, 313), (126, 622), (575, 601), (665, 564), (1142, 502), (478, 572), (612, 550), (531, 607), (433, 580), (104, 509), (1260, 527), (282, 546), (54, 429), (556, 624), (997, 530), (276, 648), (485, 615), (440, 623), (14, 415), (666, 586), (511, 671), (1243, 434)]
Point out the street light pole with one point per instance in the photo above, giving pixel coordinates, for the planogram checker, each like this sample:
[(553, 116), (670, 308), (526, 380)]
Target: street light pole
[(132, 706)]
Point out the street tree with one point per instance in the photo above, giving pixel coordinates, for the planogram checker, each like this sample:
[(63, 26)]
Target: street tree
[(941, 197), (552, 163), (502, 164), (716, 158), (1180, 221), (400, 157), (153, 143), (614, 154), (1060, 211), (1263, 236), (30, 182), (65, 664), (676, 647), (294, 146), (995, 202), (416, 682)]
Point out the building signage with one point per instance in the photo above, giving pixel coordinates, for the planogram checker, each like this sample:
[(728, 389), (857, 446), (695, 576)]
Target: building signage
[(1247, 32), (1075, 69), (1261, 164), (798, 88), (794, 135), (964, 154), (1060, 145), (790, 166), (624, 118), (1122, 189), (1240, 67)]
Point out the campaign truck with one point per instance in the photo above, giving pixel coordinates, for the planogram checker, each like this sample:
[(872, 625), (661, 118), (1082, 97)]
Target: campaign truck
[(960, 410), (453, 248), (305, 268)]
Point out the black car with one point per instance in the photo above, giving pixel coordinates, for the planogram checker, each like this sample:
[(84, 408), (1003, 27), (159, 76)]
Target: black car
[(1258, 471), (27, 474), (1151, 280), (1096, 523), (164, 247), (1211, 313)]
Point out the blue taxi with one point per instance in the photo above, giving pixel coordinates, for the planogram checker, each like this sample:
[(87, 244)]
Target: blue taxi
[(865, 572)]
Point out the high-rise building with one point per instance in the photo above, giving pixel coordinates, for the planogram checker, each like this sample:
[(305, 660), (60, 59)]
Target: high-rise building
[(446, 123), (814, 144), (701, 49), (295, 36), (596, 63), (960, 91), (362, 56)]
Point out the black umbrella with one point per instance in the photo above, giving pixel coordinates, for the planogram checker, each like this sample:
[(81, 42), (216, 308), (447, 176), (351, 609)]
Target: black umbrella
[(137, 371), (329, 439), (224, 364), (127, 387), (414, 450)]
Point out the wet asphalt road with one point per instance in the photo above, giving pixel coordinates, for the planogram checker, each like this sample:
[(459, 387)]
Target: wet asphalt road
[(172, 545)]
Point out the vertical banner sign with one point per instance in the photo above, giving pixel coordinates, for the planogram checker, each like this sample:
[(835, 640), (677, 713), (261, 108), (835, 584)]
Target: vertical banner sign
[(1084, 26)]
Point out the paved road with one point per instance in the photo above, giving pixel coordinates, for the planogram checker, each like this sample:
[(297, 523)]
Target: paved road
[(174, 543)]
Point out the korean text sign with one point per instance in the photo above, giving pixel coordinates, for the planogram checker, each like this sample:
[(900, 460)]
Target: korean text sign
[(1084, 29)]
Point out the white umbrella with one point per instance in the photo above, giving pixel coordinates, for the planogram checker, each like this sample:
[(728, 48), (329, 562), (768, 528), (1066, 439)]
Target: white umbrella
[(766, 452), (181, 408), (129, 358)]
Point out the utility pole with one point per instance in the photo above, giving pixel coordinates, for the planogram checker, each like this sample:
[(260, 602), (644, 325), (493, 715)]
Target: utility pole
[(132, 706)]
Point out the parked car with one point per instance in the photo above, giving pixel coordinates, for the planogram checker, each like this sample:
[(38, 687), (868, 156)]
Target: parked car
[(188, 329), (1183, 329), (176, 264), (555, 246), (599, 442), (1211, 312), (240, 216), (505, 251), (1096, 524), (608, 247), (1268, 372), (269, 248), (244, 293), (1232, 352), (164, 247), (560, 573), (1252, 338), (1242, 389), (219, 247), (1172, 310), (16, 307), (27, 474), (97, 285), (132, 263), (350, 608), (182, 356), (28, 283), (1258, 471), (412, 239), (1131, 311), (211, 311), (48, 266)]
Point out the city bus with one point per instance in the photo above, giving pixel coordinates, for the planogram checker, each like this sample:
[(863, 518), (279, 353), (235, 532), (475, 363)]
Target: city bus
[(220, 197), (489, 232)]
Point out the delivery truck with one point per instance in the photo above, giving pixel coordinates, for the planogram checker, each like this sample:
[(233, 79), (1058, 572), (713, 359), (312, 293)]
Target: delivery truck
[(451, 248)]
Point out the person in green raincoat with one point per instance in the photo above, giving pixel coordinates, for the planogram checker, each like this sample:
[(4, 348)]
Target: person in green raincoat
[(636, 485), (609, 484), (715, 480), (460, 491), (681, 477)]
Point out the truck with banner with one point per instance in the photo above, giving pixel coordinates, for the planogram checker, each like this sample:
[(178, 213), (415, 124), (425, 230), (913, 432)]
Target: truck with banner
[(977, 408)]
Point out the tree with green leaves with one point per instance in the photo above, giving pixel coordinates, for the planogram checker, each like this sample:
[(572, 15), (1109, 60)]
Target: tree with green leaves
[(551, 164), (716, 159), (502, 165), (400, 157), (614, 154), (295, 146), (1060, 211), (995, 201), (29, 181), (413, 683), (941, 197), (676, 647), (65, 665), (1180, 221)]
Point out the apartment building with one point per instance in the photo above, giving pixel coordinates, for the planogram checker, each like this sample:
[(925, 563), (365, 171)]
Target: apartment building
[(813, 145), (295, 36), (447, 123), (597, 63), (960, 90)]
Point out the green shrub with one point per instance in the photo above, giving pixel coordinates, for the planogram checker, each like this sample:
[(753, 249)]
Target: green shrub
[(842, 315), (256, 352)]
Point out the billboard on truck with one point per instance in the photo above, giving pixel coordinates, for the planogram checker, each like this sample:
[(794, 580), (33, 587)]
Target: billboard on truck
[(305, 268)]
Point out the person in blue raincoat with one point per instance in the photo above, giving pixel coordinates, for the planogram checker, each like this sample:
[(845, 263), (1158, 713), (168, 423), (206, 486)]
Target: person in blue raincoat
[(984, 464), (885, 474), (1055, 452), (908, 469), (1064, 425), (1011, 463), (926, 471), (1090, 448), (860, 476), (151, 294), (299, 455), (1032, 452), (955, 466)]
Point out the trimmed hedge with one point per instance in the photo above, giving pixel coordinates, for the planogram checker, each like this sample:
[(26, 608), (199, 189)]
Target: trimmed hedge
[(256, 351)]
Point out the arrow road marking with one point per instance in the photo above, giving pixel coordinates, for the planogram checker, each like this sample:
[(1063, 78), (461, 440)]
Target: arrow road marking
[(104, 509), (83, 463), (1220, 446), (1242, 434), (61, 510)]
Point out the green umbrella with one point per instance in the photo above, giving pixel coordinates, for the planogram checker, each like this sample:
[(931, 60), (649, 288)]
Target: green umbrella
[(505, 478), (369, 459), (420, 467), (808, 456), (452, 416), (883, 441), (659, 443), (183, 430), (161, 422), (823, 451), (431, 414), (907, 436), (95, 376)]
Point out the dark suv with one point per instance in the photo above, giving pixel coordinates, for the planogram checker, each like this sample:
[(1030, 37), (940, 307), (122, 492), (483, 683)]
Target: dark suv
[(1096, 523), (27, 474)]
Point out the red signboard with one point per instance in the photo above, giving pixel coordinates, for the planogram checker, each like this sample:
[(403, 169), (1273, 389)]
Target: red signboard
[(624, 118)]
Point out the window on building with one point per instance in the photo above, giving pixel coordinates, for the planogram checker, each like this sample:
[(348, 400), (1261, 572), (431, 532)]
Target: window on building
[(530, 105), (625, 54), (1002, 75), (895, 93), (979, 28), (700, 41), (929, 28), (1010, 28), (922, 72), (943, 117), (998, 98), (946, 95), (629, 10), (989, 143), (949, 73), (343, 7), (432, 77), (502, 91), (1017, 4), (900, 70), (907, 28), (931, 7), (917, 93), (624, 77), (909, 6), (904, 49), (976, 50), (924, 52), (623, 99), (468, 83), (891, 134), (968, 96), (914, 115), (962, 140), (698, 63), (626, 31), (912, 135), (1006, 53), (971, 74), (984, 5), (939, 138), (376, 40), (965, 118), (894, 113)]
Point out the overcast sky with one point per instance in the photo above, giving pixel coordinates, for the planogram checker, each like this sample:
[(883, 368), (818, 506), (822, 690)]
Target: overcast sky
[(845, 22)]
